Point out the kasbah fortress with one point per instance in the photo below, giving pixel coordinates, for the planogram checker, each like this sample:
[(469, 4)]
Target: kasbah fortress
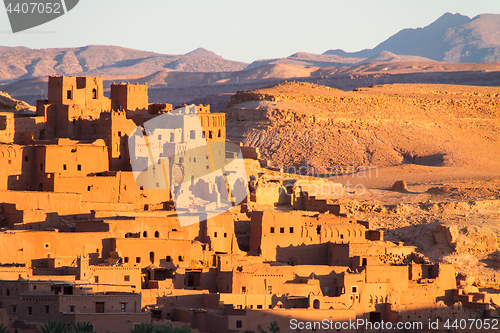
[(82, 242)]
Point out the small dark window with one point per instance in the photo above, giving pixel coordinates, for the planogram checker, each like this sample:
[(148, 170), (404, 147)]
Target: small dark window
[(272, 230), (69, 94), (25, 158), (145, 234), (215, 234), (342, 236), (282, 230), (219, 134), (94, 93), (181, 258), (259, 306), (79, 167), (47, 309), (14, 308), (291, 230), (203, 134), (41, 167), (225, 235), (99, 307), (64, 166), (181, 159), (159, 137), (239, 324), (243, 289), (30, 310), (138, 260), (123, 307), (119, 133), (126, 278), (318, 230), (125, 259), (192, 134), (88, 188), (157, 234), (142, 188), (168, 259), (209, 134), (96, 279), (71, 308), (172, 137)]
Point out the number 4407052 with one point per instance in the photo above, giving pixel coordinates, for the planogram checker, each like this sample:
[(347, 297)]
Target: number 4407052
[(486, 324), (35, 7)]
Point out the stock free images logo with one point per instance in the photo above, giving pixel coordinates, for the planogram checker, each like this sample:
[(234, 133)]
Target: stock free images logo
[(205, 174), (27, 14)]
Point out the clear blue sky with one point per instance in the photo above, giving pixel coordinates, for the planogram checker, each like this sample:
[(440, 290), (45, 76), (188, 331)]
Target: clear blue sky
[(235, 29)]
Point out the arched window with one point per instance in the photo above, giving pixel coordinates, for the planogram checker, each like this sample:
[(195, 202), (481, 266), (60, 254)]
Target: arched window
[(145, 234), (94, 93), (157, 234), (152, 257)]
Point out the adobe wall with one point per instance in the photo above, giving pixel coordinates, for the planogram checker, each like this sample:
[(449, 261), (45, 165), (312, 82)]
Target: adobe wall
[(86, 92), (116, 130), (13, 127), (62, 203), (7, 127), (129, 97), (131, 192), (371, 253), (151, 251), (218, 231), (70, 159), (270, 229), (16, 168), (13, 273), (165, 226), (213, 126), (266, 279), (252, 320), (108, 279), (49, 244), (94, 189), (115, 322)]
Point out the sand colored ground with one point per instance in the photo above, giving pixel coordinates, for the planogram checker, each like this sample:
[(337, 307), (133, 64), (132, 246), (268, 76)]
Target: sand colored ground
[(442, 140)]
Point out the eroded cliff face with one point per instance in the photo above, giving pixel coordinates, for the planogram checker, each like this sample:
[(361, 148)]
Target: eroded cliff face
[(295, 124)]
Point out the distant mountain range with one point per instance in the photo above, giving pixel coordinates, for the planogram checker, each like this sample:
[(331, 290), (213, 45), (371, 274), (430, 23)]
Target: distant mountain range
[(451, 38), (453, 49), (25, 63)]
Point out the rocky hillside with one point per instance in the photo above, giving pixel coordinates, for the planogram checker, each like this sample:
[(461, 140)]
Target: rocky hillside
[(296, 124), (10, 104)]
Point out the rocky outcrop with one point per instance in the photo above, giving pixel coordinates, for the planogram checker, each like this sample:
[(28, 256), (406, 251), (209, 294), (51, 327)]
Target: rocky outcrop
[(8, 103)]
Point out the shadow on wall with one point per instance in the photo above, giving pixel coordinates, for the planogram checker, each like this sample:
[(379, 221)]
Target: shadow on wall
[(313, 254), (422, 317)]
